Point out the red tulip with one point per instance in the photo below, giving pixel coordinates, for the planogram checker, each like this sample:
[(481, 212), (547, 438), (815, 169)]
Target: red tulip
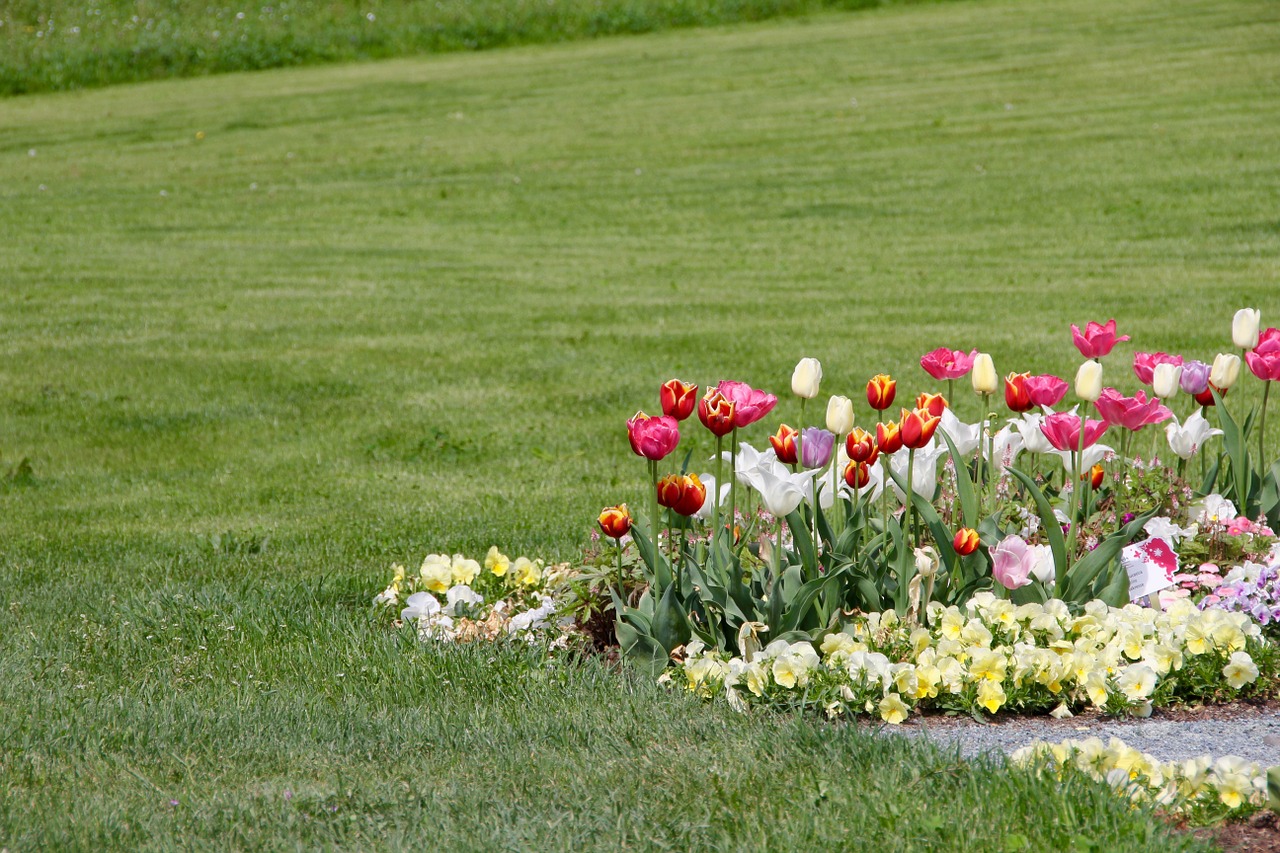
[(670, 490), (934, 404), (1015, 392), (652, 438), (677, 399), (917, 428), (716, 412), (857, 474), (1205, 397), (784, 444), (861, 446), (888, 437), (880, 391), (1264, 359), (1096, 474), (1132, 413), (750, 404), (1097, 339), (615, 521), (1144, 364), (1045, 390), (1062, 429), (966, 541), (692, 496), (945, 363)]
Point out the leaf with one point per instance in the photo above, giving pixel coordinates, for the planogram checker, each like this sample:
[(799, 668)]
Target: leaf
[(657, 573), (670, 625), (1115, 592), (641, 648), (1234, 441), (1051, 527), (802, 541), (964, 484), (1081, 576)]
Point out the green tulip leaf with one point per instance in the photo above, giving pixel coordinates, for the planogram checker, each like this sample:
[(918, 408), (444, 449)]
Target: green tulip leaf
[(964, 484), (1051, 527), (1081, 576), (670, 625), (641, 648)]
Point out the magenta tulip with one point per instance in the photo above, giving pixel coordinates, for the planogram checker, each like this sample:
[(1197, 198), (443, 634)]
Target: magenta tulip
[(945, 363), (1062, 429), (1132, 413), (653, 438), (1144, 364), (1045, 390), (751, 403), (1264, 360), (1097, 339)]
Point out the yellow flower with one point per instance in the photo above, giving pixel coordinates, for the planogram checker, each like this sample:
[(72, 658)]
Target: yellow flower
[(436, 573), (464, 570), (893, 710), (1096, 686), (1240, 670), (497, 562), (989, 666), (790, 671), (1198, 637), (757, 678), (1137, 681), (527, 572), (990, 695), (397, 574)]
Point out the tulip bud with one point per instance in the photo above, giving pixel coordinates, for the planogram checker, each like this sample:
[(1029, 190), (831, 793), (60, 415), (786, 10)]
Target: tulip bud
[(840, 415), (934, 404), (615, 521), (692, 495), (966, 541), (670, 490), (857, 474), (984, 375), (860, 446), (1089, 381), (1205, 397), (917, 428), (880, 391), (806, 378), (784, 444), (717, 412), (888, 438), (1165, 379), (677, 399), (1225, 371), (1095, 476), (1244, 328), (1016, 395)]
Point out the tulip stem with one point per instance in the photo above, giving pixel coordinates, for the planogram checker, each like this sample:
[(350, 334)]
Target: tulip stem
[(1262, 429), (911, 504), (653, 516), (733, 485), (715, 501), (951, 394)]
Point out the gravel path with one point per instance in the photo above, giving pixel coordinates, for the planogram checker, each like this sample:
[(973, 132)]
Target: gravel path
[(1249, 732)]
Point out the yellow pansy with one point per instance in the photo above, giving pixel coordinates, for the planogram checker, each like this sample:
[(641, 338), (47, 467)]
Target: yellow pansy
[(497, 562), (991, 695), (893, 710)]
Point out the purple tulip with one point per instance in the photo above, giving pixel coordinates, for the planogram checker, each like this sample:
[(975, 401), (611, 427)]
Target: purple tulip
[(1195, 377), (816, 445)]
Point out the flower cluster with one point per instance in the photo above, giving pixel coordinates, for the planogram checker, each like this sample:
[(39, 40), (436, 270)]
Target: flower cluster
[(1253, 589), (992, 655), (504, 597), (1197, 787)]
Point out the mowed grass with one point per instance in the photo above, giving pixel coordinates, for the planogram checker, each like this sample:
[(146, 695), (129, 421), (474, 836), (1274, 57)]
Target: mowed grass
[(265, 334)]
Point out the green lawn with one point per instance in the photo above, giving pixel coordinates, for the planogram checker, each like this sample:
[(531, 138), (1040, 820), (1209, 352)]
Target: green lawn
[(383, 309)]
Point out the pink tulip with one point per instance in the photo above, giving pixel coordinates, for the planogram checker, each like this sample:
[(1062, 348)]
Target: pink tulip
[(1144, 364), (945, 363), (1096, 340), (1062, 429), (1132, 413), (1264, 360), (751, 403), (1011, 562), (653, 438), (1045, 390)]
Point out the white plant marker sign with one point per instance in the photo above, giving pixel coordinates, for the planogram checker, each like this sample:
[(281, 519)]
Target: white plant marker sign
[(1150, 565)]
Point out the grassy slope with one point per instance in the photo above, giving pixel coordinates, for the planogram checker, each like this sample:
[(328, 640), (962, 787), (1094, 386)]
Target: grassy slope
[(388, 308)]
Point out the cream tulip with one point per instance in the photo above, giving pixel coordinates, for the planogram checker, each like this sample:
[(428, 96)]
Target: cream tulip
[(1244, 328), (1089, 381), (840, 415), (1225, 371), (1165, 379), (806, 378), (985, 380)]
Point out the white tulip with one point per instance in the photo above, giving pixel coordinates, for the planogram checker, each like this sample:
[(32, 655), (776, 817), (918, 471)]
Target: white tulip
[(1007, 442), (1089, 381), (1091, 456), (781, 494), (1165, 379), (985, 380), (806, 378), (1187, 438), (708, 503), (1244, 328), (964, 436), (924, 473), (1225, 371), (840, 415), (1033, 439)]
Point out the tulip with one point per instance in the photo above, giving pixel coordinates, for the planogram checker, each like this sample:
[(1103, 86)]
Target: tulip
[(880, 391), (840, 415), (1089, 381), (781, 494), (806, 378), (715, 492), (888, 438), (1015, 392), (1062, 429), (1028, 426), (1165, 380), (784, 444), (964, 436), (670, 490), (984, 376), (966, 541), (1095, 476), (652, 438), (615, 521), (947, 364), (1205, 397), (857, 475), (861, 447), (934, 404), (816, 447), (1045, 390), (923, 479), (1244, 328), (717, 412), (916, 428), (1264, 360), (1096, 340), (1145, 363), (1225, 371), (1186, 439), (693, 494), (1011, 562), (750, 404), (1195, 377), (677, 398), (1132, 413), (1005, 447)]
